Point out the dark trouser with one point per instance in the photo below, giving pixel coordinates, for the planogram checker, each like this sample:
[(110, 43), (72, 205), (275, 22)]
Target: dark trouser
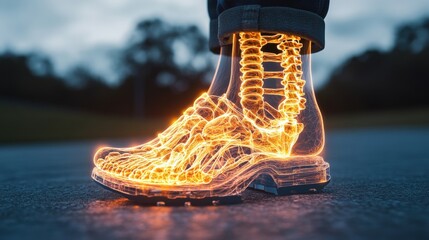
[(300, 17)]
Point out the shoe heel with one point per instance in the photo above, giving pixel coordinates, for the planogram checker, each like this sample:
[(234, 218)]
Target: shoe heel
[(293, 176)]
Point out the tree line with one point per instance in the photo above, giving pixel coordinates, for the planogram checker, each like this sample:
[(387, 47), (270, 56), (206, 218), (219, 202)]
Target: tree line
[(379, 80), (155, 83)]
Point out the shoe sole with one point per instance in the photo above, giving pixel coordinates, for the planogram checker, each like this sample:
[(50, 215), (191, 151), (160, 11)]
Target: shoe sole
[(164, 201), (297, 175)]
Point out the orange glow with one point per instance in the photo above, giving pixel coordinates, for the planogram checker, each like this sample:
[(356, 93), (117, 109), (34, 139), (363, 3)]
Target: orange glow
[(217, 148)]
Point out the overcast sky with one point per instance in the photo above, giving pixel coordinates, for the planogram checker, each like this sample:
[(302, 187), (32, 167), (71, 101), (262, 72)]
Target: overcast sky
[(83, 31)]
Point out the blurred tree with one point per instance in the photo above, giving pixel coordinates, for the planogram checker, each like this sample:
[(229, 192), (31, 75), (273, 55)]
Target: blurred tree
[(30, 76), (374, 80), (90, 92), (167, 66)]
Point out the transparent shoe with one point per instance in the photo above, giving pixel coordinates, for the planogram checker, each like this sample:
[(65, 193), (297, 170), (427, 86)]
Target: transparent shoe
[(265, 132)]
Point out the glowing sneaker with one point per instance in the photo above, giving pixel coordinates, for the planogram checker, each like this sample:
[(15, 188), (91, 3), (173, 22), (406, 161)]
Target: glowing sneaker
[(265, 132)]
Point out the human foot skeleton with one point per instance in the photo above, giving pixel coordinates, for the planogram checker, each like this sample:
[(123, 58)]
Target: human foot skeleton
[(217, 148)]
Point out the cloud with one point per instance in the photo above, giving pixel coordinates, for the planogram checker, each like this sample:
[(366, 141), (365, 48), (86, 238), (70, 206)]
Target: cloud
[(75, 31)]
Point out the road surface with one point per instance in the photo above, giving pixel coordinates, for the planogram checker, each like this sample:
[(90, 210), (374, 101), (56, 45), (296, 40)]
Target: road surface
[(379, 190)]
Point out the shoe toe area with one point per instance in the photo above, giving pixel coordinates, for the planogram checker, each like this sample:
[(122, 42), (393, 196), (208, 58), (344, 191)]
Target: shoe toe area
[(107, 154)]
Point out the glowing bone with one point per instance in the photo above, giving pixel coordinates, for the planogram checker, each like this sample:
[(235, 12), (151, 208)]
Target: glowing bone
[(215, 141)]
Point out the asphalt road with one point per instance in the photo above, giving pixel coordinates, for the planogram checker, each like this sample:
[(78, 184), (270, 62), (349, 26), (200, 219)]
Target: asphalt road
[(379, 190)]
